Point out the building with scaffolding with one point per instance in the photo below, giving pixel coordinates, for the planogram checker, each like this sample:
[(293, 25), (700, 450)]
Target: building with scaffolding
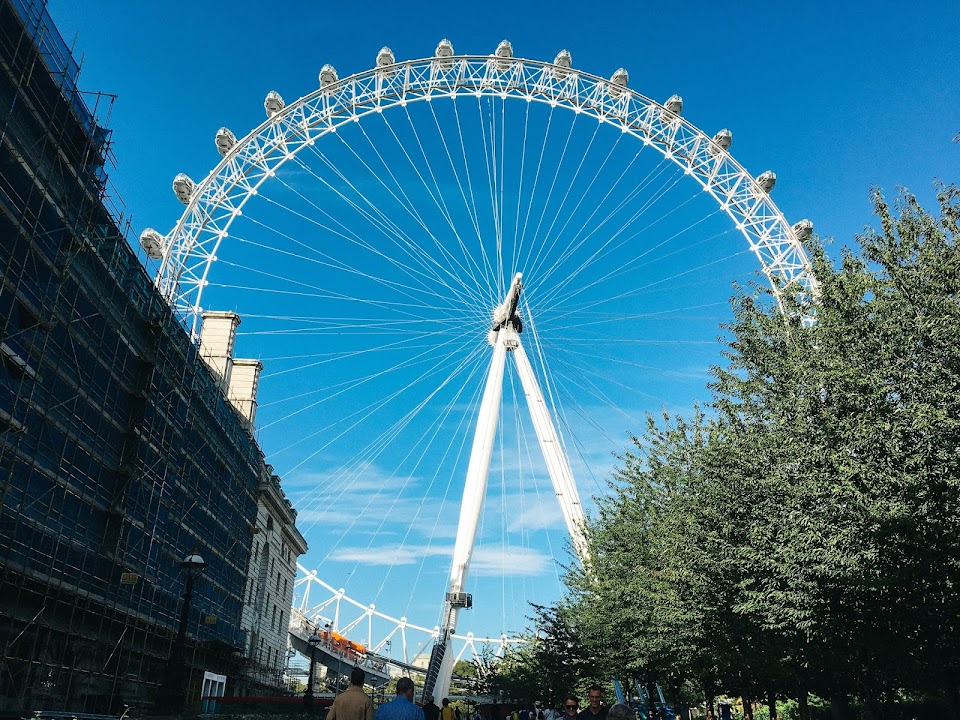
[(123, 446)]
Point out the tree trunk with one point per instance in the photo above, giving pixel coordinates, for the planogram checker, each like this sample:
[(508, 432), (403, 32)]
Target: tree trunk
[(953, 700), (871, 711), (772, 704), (871, 696), (803, 709), (840, 709), (747, 708), (711, 715)]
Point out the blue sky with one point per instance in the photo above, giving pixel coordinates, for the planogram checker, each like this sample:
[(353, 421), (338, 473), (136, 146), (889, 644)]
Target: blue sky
[(836, 98)]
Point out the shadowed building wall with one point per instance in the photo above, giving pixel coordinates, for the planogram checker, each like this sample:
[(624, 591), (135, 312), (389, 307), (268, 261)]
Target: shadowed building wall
[(119, 450)]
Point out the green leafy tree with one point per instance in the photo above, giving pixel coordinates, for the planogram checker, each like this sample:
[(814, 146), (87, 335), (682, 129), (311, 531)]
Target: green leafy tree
[(804, 535), (552, 662)]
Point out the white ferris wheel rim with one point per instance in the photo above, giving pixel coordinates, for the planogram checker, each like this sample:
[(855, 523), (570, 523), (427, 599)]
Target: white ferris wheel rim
[(191, 248)]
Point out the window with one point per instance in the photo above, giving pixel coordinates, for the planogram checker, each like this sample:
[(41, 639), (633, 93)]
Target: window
[(213, 687)]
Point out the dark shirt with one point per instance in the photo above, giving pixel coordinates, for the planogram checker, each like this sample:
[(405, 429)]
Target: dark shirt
[(587, 714), (399, 709), (431, 711)]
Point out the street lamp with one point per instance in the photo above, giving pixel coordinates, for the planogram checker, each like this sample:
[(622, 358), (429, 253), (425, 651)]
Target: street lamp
[(338, 651), (314, 640), (171, 698)]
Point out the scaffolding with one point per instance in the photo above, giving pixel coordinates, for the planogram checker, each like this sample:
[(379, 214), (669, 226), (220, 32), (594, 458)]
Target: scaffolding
[(119, 453)]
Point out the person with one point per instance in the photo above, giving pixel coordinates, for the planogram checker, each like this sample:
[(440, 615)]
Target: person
[(620, 711), (431, 711), (595, 709), (457, 714), (571, 706), (354, 704), (446, 712), (402, 706)]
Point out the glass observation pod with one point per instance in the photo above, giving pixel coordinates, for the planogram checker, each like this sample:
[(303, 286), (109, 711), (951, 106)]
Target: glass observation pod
[(225, 141), (183, 187), (618, 81), (444, 53), (273, 103), (562, 62)]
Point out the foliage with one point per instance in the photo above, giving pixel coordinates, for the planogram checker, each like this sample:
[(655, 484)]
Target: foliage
[(474, 678), (802, 533), (550, 665)]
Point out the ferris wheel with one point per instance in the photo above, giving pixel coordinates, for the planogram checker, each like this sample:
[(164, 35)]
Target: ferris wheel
[(469, 279)]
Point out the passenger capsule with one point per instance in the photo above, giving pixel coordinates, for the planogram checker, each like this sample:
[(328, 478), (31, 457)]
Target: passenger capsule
[(225, 141), (444, 53), (673, 106), (721, 142), (152, 243), (183, 187), (767, 180), (803, 230), (504, 55), (328, 76), (386, 61), (618, 82), (273, 103), (562, 64)]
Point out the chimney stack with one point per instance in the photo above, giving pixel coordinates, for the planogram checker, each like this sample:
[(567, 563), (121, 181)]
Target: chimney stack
[(217, 337), (243, 388)]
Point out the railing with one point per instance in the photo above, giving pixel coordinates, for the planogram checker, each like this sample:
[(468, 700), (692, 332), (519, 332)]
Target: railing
[(328, 643), (59, 61)]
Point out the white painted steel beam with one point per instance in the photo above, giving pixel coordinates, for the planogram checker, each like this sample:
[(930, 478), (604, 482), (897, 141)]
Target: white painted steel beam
[(553, 454), (474, 491)]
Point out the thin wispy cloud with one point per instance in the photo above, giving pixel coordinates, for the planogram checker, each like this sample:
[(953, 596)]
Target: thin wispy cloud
[(392, 554), (514, 561)]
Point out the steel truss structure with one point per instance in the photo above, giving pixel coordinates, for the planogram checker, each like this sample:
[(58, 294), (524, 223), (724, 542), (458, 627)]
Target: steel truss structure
[(321, 603), (189, 251)]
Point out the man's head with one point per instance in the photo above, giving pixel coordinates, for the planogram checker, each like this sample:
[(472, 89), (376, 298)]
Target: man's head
[(429, 699), (571, 706), (357, 676), (620, 711), (446, 701), (595, 697), (405, 688)]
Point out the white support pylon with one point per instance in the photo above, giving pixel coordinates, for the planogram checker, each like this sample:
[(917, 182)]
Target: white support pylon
[(504, 337), (557, 464), (474, 491)]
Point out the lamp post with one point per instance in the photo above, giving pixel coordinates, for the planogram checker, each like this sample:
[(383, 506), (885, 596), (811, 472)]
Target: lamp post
[(314, 640), (338, 650), (171, 698)]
